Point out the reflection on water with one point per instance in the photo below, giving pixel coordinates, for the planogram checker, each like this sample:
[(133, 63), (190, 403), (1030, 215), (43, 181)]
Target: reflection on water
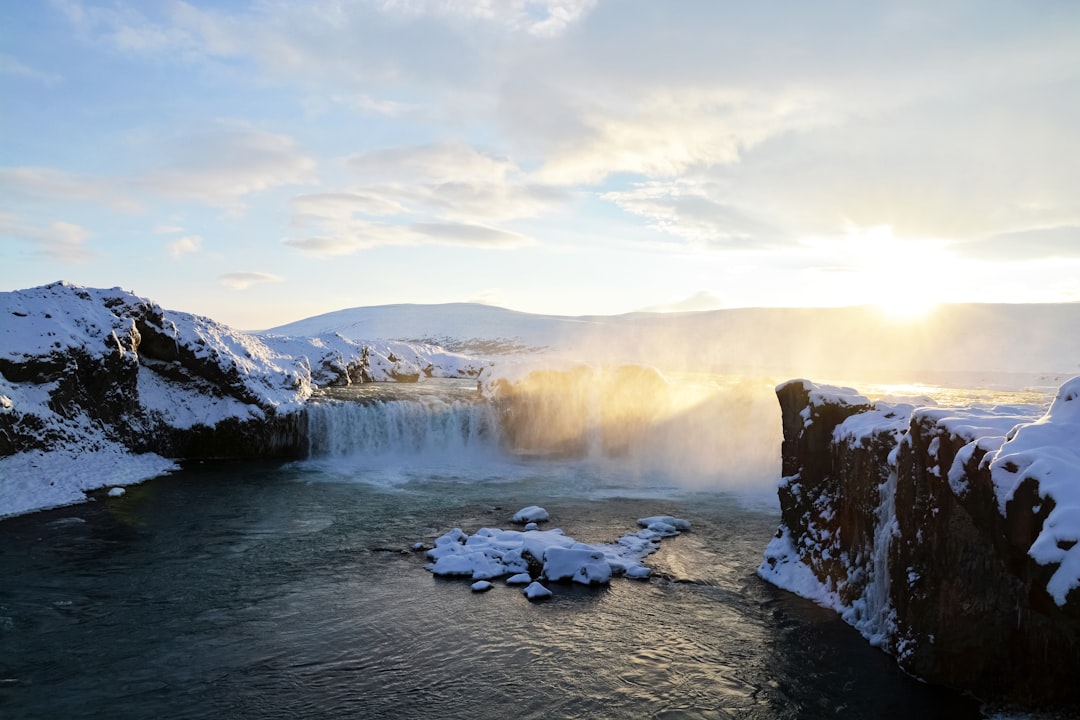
[(247, 591)]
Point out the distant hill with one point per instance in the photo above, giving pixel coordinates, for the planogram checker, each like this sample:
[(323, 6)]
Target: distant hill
[(1002, 344)]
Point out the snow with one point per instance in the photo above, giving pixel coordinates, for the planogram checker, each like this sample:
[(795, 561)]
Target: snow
[(35, 480), (536, 591), (493, 553), (783, 568), (580, 563), (1048, 451), (531, 514)]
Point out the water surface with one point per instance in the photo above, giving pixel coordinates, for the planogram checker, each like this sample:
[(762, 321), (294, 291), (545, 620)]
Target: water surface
[(266, 591)]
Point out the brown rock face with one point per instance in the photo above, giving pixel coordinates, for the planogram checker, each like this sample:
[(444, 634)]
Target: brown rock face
[(966, 604)]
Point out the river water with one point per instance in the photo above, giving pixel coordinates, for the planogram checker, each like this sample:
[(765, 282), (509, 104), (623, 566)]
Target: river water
[(255, 590)]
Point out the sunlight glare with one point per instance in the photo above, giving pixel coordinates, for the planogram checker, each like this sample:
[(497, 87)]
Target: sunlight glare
[(907, 307)]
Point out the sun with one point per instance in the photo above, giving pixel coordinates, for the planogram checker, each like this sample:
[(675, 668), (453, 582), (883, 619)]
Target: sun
[(907, 308)]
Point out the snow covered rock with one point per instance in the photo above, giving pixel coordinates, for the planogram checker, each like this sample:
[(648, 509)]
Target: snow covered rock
[(82, 367), (579, 563), (530, 514), (947, 536), (523, 556), (536, 591)]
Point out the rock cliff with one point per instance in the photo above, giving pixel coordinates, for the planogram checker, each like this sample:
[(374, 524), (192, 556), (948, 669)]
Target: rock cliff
[(947, 536), (87, 370)]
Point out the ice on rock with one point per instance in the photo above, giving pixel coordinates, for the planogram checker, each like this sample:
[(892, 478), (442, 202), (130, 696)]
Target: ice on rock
[(536, 591), (522, 578), (531, 514), (481, 586), (116, 492), (531, 526)]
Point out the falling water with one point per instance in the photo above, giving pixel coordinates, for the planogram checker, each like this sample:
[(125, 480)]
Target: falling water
[(424, 426), (709, 432)]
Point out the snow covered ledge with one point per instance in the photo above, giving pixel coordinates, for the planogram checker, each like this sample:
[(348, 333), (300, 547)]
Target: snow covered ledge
[(949, 537)]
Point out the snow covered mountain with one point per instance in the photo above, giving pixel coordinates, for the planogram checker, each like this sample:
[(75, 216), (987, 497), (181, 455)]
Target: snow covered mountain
[(990, 344)]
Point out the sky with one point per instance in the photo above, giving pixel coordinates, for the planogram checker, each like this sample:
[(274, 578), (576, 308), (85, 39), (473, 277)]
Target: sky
[(262, 162)]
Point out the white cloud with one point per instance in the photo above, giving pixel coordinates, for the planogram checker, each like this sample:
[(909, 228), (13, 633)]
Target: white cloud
[(61, 241), (344, 205), (662, 134), (446, 193), (40, 184), (244, 280), (697, 212), (125, 28), (1028, 244), (449, 161), (220, 165), (541, 18), (451, 180), (182, 246), (217, 166), (13, 67), (350, 236)]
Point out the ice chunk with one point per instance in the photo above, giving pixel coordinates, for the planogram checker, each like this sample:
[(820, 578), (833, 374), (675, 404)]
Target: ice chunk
[(481, 586)]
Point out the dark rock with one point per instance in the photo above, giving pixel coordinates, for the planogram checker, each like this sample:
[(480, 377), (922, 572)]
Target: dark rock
[(967, 605)]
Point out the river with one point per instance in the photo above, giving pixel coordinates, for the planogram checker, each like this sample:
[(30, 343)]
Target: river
[(267, 590)]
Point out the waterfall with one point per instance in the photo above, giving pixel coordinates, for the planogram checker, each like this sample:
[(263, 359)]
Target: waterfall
[(424, 426), (628, 422)]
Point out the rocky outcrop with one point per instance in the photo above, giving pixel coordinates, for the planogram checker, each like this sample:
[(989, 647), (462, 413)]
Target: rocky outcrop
[(946, 536), (82, 368)]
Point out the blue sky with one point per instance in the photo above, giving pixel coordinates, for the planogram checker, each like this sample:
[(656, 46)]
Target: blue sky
[(266, 161)]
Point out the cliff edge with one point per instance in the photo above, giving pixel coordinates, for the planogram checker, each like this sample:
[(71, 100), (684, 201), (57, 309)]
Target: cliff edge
[(948, 537)]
